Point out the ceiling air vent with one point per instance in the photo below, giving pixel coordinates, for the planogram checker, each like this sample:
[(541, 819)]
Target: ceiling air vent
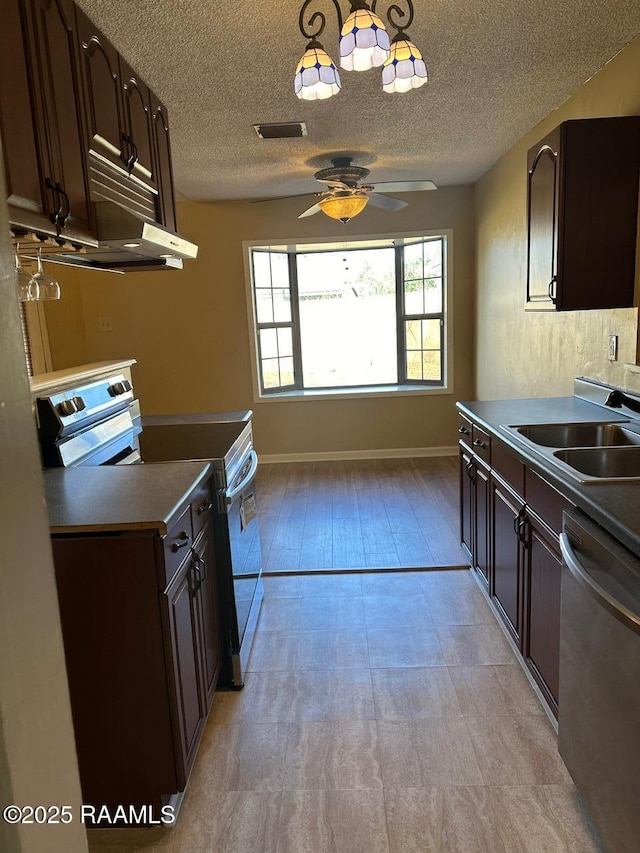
[(285, 130)]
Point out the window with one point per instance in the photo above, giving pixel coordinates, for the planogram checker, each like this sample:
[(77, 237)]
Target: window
[(368, 314)]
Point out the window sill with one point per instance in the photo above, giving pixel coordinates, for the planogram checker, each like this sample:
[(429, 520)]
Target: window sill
[(353, 393)]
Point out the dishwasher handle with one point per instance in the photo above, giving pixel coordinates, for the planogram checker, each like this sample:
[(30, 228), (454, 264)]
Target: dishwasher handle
[(232, 494), (582, 576)]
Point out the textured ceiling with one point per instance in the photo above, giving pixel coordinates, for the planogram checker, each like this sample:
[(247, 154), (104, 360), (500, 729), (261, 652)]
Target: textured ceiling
[(496, 69)]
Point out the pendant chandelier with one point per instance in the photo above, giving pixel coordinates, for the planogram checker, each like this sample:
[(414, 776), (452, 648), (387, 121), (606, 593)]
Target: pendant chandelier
[(364, 43)]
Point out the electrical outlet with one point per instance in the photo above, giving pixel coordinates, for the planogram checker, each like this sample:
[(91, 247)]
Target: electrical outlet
[(613, 347), (105, 324)]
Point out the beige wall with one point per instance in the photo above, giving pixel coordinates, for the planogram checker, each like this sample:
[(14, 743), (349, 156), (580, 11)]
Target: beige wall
[(37, 750), (190, 334), (523, 354)]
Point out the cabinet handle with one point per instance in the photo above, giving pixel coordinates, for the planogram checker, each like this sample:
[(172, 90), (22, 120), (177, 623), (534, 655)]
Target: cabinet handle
[(469, 470), (132, 159), (204, 507), (54, 217), (199, 562), (64, 217), (551, 290), (520, 526), (184, 537), (198, 582), (463, 430), (478, 443), (135, 155)]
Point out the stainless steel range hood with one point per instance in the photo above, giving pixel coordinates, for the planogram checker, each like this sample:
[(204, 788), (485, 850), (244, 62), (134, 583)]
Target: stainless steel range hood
[(126, 243)]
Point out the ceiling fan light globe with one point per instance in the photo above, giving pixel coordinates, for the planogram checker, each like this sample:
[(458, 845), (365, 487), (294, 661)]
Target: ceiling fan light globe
[(405, 68), (344, 207), (364, 42), (316, 77)]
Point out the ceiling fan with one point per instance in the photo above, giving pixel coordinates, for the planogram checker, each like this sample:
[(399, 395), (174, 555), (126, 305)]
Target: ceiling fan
[(347, 195)]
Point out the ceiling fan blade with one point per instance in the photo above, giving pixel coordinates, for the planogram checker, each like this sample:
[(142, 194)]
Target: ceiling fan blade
[(386, 202), (335, 184), (404, 186), (280, 197), (310, 211)]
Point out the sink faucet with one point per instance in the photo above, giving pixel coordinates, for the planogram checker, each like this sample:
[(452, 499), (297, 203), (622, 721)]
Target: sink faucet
[(617, 399)]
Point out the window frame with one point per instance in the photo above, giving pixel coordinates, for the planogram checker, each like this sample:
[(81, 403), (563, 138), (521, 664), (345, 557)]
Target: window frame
[(404, 387)]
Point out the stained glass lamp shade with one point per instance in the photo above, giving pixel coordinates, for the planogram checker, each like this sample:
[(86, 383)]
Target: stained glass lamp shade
[(405, 68), (316, 76), (364, 42)]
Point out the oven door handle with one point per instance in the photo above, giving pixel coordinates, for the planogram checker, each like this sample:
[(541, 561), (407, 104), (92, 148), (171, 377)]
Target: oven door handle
[(582, 576), (232, 494)]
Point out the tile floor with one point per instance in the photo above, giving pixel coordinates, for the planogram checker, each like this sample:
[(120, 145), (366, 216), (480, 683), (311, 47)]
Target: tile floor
[(366, 513), (382, 713)]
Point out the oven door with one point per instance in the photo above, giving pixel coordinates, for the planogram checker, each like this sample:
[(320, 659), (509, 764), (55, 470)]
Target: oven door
[(245, 558)]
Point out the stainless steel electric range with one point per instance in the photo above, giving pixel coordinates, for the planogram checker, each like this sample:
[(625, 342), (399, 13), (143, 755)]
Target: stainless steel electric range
[(99, 423)]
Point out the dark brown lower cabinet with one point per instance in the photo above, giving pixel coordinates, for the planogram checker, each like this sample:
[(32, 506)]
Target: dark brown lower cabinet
[(196, 651), (507, 556), (510, 520), (184, 620), (139, 620), (541, 647), (474, 494)]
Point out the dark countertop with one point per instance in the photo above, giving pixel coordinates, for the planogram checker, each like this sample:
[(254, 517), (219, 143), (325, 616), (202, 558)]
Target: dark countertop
[(615, 506), (120, 497)]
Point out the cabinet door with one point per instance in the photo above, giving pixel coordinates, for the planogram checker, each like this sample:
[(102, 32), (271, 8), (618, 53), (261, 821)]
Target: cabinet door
[(55, 65), (467, 502), (182, 600), (507, 556), (542, 235), (102, 92), (481, 538), (22, 156), (164, 169), (137, 115), (211, 651), (542, 632)]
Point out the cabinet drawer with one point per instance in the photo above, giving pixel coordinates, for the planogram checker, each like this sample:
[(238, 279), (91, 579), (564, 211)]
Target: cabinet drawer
[(545, 501), (507, 466), (481, 444), (201, 508), (177, 543), (465, 428)]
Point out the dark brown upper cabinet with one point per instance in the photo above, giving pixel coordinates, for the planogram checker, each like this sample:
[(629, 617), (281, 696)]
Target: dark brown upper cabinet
[(160, 121), (582, 215), (102, 92), (72, 112), (43, 121), (118, 106)]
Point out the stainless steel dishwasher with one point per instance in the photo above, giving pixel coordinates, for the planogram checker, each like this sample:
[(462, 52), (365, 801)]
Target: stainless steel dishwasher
[(599, 708)]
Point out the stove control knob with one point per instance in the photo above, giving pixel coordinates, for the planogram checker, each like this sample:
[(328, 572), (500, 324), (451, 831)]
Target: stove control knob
[(117, 388), (66, 408), (79, 403), (127, 385)]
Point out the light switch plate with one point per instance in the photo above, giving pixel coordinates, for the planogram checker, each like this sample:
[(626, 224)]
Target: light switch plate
[(613, 347)]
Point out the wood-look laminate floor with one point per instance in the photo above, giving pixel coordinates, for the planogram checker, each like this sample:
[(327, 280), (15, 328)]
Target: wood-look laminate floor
[(381, 713), (360, 514)]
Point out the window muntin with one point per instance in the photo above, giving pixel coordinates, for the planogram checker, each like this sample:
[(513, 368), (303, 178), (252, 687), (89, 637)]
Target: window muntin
[(423, 311), (369, 314)]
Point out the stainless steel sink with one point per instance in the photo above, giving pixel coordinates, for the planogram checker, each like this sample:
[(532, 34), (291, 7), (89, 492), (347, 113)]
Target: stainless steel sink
[(579, 435), (607, 464), (597, 453)]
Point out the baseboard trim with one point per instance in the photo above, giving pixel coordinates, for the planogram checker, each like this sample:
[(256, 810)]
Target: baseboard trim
[(337, 455)]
